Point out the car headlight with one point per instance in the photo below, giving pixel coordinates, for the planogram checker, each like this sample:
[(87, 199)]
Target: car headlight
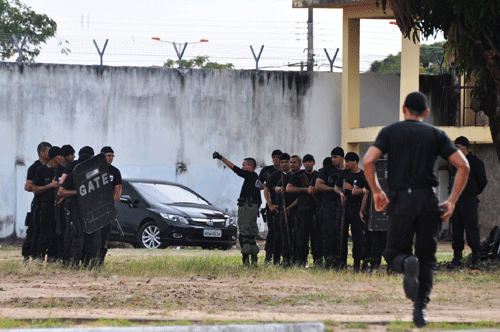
[(174, 218), (229, 221)]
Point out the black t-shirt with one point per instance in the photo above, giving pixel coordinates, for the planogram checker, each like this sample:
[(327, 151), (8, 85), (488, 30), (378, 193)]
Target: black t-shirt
[(115, 177), (354, 179), (412, 148), (271, 183), (32, 169), (251, 185), (44, 176), (266, 172), (69, 184), (275, 181), (71, 166), (477, 181), (318, 196), (301, 179), (330, 174)]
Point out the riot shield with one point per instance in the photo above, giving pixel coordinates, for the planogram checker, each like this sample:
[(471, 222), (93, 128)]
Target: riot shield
[(95, 193), (379, 221)]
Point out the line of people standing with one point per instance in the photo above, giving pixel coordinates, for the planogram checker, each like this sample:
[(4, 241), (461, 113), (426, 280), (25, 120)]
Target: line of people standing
[(307, 211), (54, 225)]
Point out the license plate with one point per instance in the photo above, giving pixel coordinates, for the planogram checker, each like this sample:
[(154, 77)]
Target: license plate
[(212, 233)]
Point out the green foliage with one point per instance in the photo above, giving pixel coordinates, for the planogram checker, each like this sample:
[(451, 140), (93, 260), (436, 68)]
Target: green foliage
[(201, 61), (19, 21), (470, 29), (430, 57)]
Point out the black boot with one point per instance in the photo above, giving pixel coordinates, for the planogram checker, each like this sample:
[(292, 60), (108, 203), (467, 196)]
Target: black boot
[(410, 279), (254, 260), (475, 262), (356, 266), (456, 262), (276, 260), (246, 259), (419, 315), (269, 259)]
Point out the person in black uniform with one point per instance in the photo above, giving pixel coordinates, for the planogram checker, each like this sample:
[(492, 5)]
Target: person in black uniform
[(465, 214), (373, 241), (68, 153), (248, 207), (74, 239), (306, 208), (274, 202), (264, 175), (330, 228), (28, 250), (71, 165), (318, 215), (288, 220), (412, 207), (348, 178), (115, 178), (67, 206), (45, 184)]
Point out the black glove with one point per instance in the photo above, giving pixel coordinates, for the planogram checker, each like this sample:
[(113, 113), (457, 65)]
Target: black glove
[(217, 155)]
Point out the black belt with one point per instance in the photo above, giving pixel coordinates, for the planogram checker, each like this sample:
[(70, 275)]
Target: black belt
[(413, 191), (247, 200)]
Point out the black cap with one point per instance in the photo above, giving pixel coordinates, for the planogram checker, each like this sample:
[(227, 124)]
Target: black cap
[(86, 149), (327, 161), (54, 152), (82, 157), (416, 101), (338, 151), (107, 149), (67, 150), (276, 153), (352, 156), (462, 140)]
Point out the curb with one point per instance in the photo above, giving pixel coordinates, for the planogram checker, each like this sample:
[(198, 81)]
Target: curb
[(303, 327)]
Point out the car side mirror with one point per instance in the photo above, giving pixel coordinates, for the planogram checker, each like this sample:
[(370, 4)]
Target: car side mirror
[(126, 199)]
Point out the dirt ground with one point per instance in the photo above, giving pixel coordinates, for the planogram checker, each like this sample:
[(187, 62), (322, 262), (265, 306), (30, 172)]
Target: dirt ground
[(237, 298)]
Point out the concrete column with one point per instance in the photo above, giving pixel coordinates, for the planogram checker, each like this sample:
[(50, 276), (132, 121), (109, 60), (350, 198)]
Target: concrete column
[(410, 69), (350, 79)]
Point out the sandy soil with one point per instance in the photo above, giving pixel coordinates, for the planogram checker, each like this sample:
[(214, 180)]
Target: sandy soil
[(241, 297)]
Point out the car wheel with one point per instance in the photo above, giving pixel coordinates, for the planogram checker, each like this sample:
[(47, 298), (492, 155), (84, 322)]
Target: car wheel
[(149, 236)]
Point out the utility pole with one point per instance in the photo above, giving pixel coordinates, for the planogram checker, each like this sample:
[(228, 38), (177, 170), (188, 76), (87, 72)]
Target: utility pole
[(310, 48)]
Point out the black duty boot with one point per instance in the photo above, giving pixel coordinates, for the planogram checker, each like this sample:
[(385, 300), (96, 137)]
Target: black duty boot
[(455, 263), (356, 266), (419, 316), (276, 260), (269, 259), (254, 260), (410, 279), (246, 259), (475, 262)]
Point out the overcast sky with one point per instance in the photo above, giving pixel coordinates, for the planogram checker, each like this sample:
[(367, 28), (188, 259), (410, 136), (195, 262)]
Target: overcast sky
[(231, 26)]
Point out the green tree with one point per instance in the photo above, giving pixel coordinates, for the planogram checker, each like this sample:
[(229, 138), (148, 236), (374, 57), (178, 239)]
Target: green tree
[(201, 61), (430, 57), (20, 22), (471, 30)]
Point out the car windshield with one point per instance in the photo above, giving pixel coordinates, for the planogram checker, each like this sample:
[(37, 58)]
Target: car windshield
[(167, 194)]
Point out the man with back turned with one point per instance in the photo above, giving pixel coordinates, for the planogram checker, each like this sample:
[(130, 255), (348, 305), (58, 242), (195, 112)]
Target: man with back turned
[(412, 147)]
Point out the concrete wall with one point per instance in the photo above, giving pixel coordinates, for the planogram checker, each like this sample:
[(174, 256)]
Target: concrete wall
[(157, 119)]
